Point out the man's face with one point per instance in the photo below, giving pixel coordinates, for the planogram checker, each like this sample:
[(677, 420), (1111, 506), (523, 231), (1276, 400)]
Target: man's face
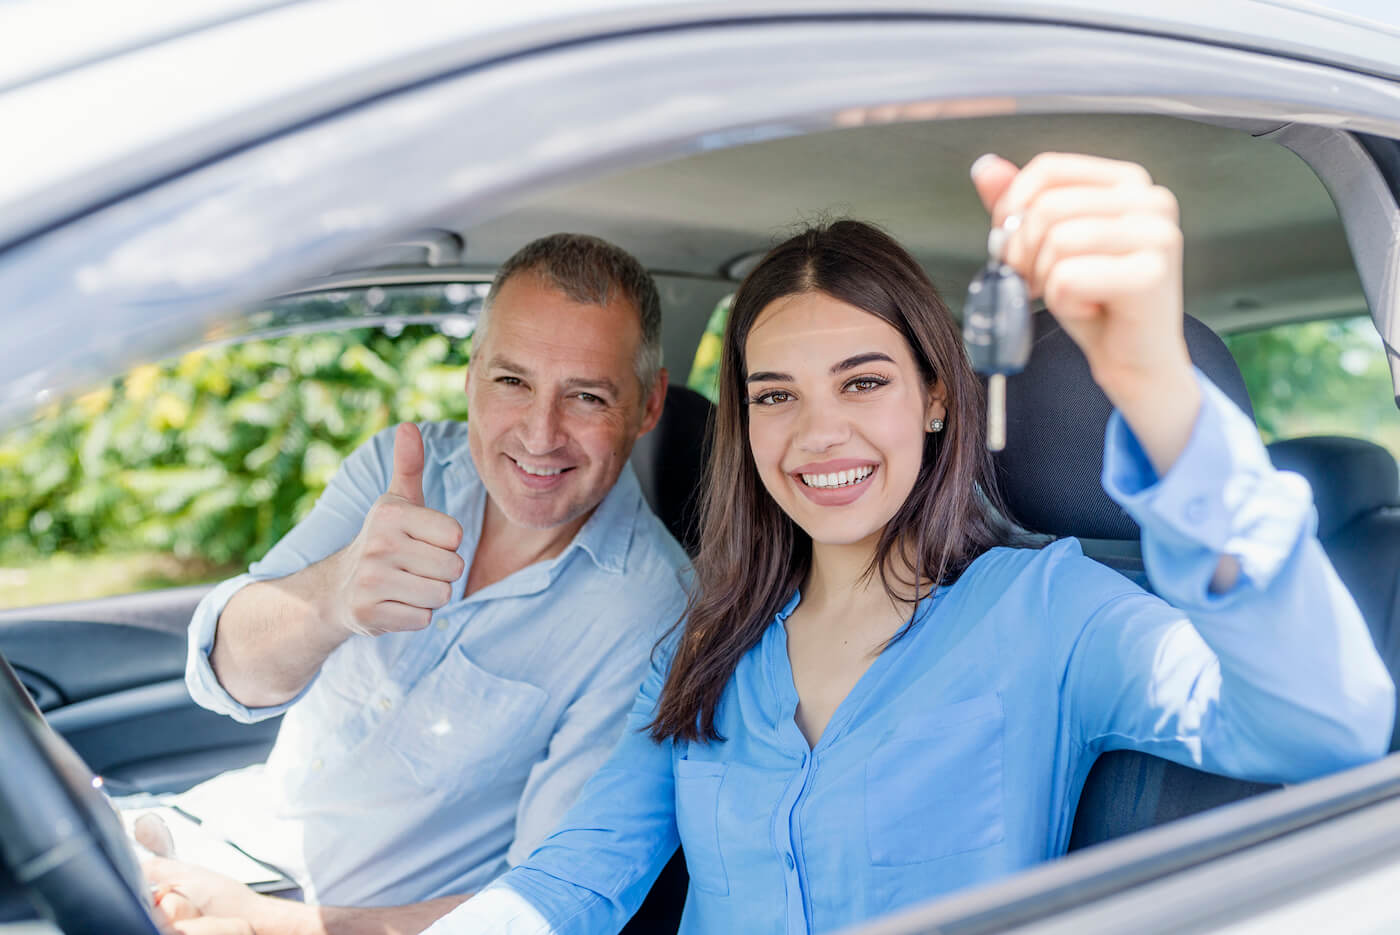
[(553, 401)]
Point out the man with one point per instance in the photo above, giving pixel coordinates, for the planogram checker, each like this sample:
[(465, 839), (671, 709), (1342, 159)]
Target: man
[(457, 629)]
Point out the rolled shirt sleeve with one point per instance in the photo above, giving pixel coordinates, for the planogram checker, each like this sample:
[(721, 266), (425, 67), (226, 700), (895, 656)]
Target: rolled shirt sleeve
[(332, 523), (1274, 679)]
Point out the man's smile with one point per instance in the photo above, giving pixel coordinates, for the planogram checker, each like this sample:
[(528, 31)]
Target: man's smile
[(539, 475)]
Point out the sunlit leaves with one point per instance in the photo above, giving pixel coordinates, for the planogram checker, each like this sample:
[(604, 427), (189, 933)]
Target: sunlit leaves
[(218, 453)]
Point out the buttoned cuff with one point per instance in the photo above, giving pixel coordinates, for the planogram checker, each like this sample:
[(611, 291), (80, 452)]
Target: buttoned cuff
[(1222, 496), (200, 679)]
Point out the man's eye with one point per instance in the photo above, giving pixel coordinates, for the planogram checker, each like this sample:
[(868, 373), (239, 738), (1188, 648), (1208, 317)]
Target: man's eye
[(771, 398), (591, 399), (508, 381)]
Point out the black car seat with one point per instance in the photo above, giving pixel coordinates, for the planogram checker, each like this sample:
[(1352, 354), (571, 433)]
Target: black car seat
[(670, 462), (1356, 486), (1049, 473)]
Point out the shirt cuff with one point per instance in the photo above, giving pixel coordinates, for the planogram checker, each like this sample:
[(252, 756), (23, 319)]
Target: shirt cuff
[(1222, 496), (200, 679), (498, 908)]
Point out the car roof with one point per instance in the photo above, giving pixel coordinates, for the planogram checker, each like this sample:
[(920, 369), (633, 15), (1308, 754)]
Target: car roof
[(94, 144), (173, 85)]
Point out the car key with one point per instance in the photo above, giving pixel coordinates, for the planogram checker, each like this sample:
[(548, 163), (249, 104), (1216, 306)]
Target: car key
[(997, 328)]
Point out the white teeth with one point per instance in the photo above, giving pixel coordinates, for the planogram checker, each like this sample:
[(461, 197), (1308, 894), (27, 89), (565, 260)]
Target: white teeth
[(539, 472), (839, 479)]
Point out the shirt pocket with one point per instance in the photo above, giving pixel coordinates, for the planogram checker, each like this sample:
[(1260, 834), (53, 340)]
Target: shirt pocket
[(461, 724), (934, 788), (697, 820)]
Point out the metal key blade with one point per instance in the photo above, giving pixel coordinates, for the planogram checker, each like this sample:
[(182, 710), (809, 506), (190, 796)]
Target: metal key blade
[(996, 332), (996, 412)]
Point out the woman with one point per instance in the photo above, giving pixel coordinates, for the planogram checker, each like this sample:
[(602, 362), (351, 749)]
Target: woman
[(874, 702), (876, 698)]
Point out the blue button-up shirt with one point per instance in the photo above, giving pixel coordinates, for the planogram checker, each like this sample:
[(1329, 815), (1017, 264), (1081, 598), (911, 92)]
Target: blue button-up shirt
[(959, 755), (420, 764)]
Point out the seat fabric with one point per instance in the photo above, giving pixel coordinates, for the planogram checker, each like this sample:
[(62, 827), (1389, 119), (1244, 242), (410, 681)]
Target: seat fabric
[(670, 463), (1356, 486), (1049, 474)]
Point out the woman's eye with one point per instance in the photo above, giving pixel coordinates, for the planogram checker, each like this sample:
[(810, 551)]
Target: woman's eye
[(866, 384), (772, 397)]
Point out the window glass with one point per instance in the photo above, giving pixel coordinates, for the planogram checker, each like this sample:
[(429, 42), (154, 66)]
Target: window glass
[(1319, 378), (187, 470)]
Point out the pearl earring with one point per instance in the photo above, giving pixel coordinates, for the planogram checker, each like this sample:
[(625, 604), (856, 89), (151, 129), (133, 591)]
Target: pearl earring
[(935, 425)]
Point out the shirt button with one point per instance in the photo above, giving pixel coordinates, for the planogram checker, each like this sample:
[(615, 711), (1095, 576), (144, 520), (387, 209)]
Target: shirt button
[(442, 624), (318, 764), (787, 859), (1196, 509), (385, 703)]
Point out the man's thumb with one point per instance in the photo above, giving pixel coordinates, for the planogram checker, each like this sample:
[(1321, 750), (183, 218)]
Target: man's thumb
[(407, 480)]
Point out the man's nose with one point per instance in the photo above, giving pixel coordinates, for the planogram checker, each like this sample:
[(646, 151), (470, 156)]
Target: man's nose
[(541, 427), (821, 427)]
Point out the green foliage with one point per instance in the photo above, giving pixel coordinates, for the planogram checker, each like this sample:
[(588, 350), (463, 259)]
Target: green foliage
[(216, 455), (1319, 378), (704, 371)]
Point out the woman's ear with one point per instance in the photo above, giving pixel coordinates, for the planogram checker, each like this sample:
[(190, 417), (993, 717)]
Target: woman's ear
[(936, 411)]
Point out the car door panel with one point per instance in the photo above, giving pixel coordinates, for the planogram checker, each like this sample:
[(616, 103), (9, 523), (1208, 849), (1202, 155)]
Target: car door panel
[(109, 676)]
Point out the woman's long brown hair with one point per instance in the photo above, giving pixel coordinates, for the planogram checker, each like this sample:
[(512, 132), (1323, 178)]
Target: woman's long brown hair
[(752, 556)]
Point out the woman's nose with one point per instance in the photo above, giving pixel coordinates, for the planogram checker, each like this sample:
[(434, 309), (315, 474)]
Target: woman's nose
[(821, 427)]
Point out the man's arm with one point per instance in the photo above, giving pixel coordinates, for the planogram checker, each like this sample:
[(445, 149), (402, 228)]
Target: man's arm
[(273, 635), (186, 892)]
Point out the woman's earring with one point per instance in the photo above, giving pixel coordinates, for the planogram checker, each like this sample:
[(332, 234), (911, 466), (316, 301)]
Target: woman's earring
[(935, 425)]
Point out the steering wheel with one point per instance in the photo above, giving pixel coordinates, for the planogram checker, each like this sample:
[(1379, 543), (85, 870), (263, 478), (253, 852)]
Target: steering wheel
[(59, 836)]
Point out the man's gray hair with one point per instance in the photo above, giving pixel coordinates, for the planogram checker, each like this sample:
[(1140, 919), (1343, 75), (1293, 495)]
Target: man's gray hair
[(588, 269)]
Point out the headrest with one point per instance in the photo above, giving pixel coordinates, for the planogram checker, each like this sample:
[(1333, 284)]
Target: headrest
[(670, 461), (1055, 421), (1348, 476)]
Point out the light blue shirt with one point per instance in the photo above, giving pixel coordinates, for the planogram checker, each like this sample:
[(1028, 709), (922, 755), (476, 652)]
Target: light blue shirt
[(959, 755), (420, 764)]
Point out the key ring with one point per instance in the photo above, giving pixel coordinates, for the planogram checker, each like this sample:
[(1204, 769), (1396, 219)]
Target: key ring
[(998, 237)]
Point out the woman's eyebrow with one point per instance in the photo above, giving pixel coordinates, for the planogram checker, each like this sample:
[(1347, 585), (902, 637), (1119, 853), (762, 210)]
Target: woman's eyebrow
[(764, 376), (852, 362)]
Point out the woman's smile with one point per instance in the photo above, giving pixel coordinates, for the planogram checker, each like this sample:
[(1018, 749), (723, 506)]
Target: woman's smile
[(834, 483)]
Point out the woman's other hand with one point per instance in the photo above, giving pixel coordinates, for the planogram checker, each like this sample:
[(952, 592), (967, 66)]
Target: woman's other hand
[(1102, 245)]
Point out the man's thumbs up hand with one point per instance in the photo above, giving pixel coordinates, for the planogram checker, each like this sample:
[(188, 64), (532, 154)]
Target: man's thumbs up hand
[(401, 566)]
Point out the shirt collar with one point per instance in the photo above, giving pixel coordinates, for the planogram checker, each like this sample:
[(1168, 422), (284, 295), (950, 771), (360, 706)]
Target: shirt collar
[(790, 606), (606, 537)]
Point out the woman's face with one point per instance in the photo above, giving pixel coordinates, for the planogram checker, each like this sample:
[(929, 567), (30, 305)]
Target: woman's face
[(837, 415)]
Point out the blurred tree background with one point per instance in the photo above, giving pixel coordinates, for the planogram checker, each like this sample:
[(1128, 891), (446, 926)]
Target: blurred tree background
[(1319, 378), (189, 470)]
